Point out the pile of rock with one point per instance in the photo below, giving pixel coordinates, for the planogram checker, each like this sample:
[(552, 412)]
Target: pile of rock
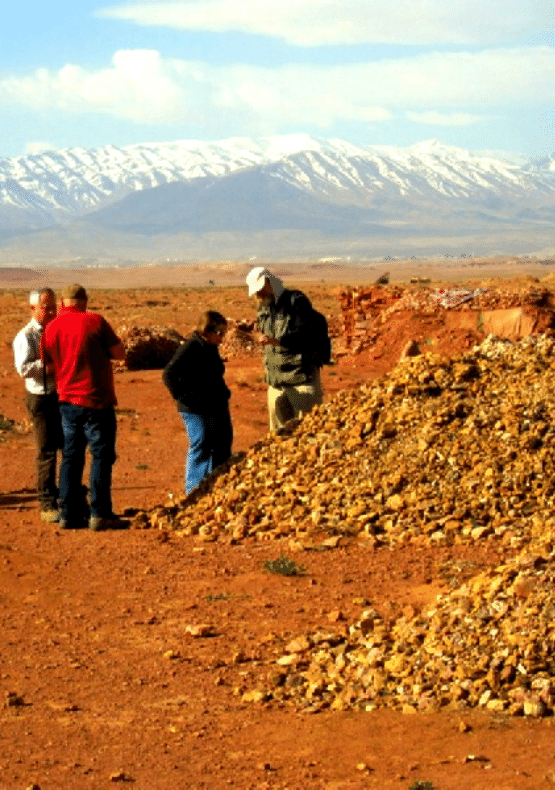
[(366, 310), (487, 644), (148, 348), (239, 340), (438, 451)]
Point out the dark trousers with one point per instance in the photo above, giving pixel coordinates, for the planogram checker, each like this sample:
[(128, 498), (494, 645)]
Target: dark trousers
[(96, 428), (45, 414)]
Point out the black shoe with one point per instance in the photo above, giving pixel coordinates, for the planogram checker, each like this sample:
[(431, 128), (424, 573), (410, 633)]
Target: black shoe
[(100, 523), (71, 523)]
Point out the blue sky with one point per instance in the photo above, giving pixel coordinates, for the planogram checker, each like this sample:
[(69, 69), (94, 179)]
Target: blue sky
[(85, 74)]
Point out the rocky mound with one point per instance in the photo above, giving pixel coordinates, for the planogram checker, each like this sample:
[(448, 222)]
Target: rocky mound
[(238, 340), (508, 312), (148, 348), (439, 450), (152, 347), (487, 644)]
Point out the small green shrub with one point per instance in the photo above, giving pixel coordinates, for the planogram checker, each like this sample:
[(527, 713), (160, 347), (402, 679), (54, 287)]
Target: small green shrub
[(284, 566), (421, 785), (6, 424)]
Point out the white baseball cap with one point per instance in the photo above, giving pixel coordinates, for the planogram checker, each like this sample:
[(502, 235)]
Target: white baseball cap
[(256, 279)]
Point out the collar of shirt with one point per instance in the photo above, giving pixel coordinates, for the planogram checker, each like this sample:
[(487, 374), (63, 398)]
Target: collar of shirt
[(70, 309)]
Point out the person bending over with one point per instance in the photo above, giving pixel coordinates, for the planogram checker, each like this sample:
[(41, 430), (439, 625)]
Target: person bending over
[(195, 379)]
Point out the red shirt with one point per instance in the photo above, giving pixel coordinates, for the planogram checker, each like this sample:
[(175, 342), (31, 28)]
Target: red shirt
[(78, 344)]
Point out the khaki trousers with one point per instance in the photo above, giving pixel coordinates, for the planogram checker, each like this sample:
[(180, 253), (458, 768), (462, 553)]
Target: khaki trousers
[(287, 403)]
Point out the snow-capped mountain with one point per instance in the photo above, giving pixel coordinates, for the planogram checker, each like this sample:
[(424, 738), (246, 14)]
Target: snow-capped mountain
[(293, 182), (76, 181)]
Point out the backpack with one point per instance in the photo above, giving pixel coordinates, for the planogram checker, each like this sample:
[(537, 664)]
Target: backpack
[(317, 326), (321, 338)]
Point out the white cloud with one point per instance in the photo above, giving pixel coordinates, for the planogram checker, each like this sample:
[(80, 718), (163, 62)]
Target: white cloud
[(143, 87), (37, 147), (435, 118), (135, 88), (319, 22)]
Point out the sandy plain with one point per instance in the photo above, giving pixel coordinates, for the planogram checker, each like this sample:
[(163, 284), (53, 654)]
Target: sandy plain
[(90, 620)]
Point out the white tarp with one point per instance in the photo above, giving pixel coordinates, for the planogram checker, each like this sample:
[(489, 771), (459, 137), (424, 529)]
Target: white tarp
[(453, 297)]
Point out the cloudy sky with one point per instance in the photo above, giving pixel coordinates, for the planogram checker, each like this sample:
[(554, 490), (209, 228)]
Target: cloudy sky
[(374, 72)]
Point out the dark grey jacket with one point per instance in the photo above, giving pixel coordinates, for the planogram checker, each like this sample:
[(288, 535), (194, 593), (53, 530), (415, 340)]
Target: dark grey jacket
[(287, 320)]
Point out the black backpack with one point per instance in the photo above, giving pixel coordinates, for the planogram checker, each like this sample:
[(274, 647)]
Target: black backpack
[(321, 336), (317, 325)]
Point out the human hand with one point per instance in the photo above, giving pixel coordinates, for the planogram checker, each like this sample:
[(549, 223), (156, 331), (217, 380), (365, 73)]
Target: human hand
[(265, 340)]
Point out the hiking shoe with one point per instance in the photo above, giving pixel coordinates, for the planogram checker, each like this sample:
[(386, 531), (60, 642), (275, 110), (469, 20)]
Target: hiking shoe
[(50, 515), (71, 523), (100, 523)]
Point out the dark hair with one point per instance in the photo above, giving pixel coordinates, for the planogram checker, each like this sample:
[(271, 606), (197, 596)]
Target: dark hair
[(209, 321)]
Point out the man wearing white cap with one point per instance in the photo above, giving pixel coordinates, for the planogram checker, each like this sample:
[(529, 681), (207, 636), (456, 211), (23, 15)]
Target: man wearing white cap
[(291, 364)]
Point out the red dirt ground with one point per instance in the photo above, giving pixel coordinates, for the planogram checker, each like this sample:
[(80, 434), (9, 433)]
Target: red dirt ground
[(107, 685)]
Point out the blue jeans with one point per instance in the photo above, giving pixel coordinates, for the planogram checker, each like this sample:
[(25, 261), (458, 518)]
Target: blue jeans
[(96, 428), (210, 440)]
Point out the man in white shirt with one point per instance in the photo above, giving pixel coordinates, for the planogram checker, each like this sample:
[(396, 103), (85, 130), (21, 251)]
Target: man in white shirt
[(41, 398)]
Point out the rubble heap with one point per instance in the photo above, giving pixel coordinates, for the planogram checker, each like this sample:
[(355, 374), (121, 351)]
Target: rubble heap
[(153, 347), (488, 644), (238, 340), (366, 310), (438, 451), (148, 348)]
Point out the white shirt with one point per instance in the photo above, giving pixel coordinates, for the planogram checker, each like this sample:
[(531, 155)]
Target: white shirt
[(26, 351)]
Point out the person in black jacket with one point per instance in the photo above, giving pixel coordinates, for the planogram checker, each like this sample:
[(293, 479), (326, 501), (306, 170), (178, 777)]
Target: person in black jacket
[(195, 379)]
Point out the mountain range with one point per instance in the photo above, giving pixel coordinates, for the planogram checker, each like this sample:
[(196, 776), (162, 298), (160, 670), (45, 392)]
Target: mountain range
[(286, 196)]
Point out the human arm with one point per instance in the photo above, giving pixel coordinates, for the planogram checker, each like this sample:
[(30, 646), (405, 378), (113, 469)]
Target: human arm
[(27, 357), (265, 340), (117, 352), (180, 373), (111, 343)]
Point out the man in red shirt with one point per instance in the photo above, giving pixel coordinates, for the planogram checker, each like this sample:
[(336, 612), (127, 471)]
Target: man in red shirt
[(81, 345)]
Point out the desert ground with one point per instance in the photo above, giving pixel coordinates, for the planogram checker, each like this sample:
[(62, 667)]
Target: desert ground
[(101, 680)]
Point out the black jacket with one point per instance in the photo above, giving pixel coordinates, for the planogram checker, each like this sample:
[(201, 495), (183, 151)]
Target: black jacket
[(195, 377)]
